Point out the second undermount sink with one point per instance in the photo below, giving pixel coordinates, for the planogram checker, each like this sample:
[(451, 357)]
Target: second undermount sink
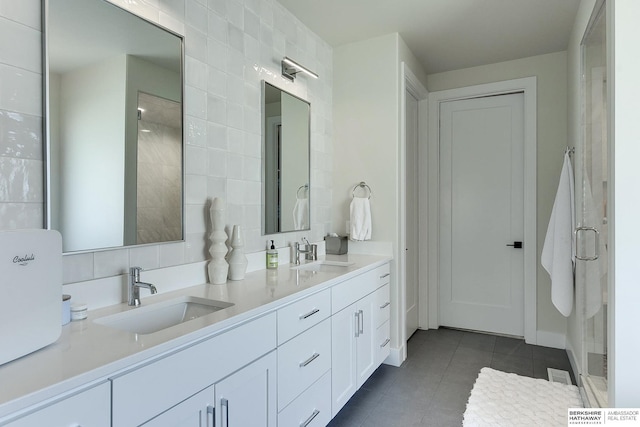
[(156, 317), (325, 265)]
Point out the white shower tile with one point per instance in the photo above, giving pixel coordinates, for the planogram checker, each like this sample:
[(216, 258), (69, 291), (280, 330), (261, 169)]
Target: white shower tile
[(217, 110), (195, 188), (236, 38), (20, 45), (195, 217), (235, 164), (235, 63), (15, 216), (197, 44), (77, 267), (196, 246), (217, 136), (251, 24), (197, 15), (217, 55), (253, 120), (20, 90), (25, 12), (236, 141), (219, 6), (195, 102), (196, 131), (218, 27), (21, 180), (196, 160), (218, 163), (253, 145), (196, 73), (20, 135), (235, 13), (110, 263), (216, 187), (145, 257), (253, 5), (171, 254), (235, 89), (252, 49), (217, 82), (235, 115), (252, 169)]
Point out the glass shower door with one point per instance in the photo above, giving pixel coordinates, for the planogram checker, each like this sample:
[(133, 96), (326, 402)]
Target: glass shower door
[(591, 199)]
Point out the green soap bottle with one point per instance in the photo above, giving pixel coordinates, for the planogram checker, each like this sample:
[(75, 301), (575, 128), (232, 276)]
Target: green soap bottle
[(272, 257)]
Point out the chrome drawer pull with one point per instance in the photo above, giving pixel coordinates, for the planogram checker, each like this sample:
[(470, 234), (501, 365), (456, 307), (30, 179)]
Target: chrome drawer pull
[(385, 275), (309, 360), (360, 322), (385, 342), (224, 403), (211, 422), (308, 421), (385, 305), (357, 318), (309, 314)]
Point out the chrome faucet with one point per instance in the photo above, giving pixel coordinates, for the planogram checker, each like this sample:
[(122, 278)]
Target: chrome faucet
[(134, 286), (310, 253)]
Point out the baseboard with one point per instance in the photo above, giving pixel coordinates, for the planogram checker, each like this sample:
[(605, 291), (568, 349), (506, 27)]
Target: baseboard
[(396, 356), (571, 354), (551, 339)]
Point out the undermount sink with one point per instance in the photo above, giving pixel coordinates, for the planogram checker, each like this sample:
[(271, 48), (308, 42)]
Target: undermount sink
[(325, 265), (156, 317)]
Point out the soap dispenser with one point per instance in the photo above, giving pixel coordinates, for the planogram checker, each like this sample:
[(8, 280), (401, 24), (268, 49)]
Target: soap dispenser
[(272, 257)]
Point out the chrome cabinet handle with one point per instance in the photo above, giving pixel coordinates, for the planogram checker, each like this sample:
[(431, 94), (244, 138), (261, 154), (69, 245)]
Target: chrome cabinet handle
[(385, 305), (211, 422), (224, 403), (360, 322), (385, 275), (385, 342), (357, 319), (308, 420), (309, 360), (596, 255), (309, 314)]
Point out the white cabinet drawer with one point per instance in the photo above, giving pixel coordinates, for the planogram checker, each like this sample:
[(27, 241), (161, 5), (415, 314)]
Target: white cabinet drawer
[(303, 360), (382, 343), (382, 305), (301, 315), (143, 393), (383, 273), (312, 408), (346, 293), (91, 407)]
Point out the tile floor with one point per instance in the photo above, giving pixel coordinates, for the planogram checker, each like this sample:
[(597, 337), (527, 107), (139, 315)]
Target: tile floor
[(432, 386)]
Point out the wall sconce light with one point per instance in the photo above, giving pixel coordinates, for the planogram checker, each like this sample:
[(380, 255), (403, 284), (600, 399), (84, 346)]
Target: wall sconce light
[(290, 68)]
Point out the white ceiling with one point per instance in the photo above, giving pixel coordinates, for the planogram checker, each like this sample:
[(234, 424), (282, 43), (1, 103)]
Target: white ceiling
[(446, 34)]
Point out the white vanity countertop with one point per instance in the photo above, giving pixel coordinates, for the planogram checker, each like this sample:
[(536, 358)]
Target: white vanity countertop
[(88, 352)]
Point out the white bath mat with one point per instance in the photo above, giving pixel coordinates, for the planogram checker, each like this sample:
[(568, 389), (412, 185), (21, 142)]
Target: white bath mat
[(502, 399)]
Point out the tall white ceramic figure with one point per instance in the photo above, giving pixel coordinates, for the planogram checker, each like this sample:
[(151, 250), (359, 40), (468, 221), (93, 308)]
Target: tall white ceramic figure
[(237, 259), (218, 266)]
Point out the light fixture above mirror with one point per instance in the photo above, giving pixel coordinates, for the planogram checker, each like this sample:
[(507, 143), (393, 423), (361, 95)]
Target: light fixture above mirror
[(291, 68)]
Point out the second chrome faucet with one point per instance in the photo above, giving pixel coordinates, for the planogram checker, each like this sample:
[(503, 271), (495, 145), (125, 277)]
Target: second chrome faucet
[(134, 286)]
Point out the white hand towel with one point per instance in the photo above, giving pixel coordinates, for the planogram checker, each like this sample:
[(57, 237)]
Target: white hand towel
[(558, 251), (301, 214), (360, 211)]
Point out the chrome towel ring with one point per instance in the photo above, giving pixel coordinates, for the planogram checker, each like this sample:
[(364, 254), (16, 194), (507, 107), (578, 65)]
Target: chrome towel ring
[(365, 187)]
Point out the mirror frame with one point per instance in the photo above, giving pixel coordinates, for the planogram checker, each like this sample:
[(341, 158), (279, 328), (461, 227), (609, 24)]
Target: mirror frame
[(46, 146), (264, 157)]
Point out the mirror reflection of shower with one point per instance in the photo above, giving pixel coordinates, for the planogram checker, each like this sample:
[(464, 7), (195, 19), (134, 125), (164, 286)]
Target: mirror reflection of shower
[(159, 166)]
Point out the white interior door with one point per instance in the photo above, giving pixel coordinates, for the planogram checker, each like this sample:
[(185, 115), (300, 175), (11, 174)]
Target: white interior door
[(481, 214), (411, 212)]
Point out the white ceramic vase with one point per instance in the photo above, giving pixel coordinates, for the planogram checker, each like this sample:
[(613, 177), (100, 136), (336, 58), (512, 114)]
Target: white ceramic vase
[(237, 259), (218, 267)]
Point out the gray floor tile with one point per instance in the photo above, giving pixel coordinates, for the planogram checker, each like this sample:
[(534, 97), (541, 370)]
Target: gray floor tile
[(451, 397), (442, 418), (513, 364), (513, 347), (481, 342), (382, 378), (397, 410), (472, 357)]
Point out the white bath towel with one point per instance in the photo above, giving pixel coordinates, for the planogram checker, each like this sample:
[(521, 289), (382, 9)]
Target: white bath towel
[(360, 216), (301, 214), (558, 252)]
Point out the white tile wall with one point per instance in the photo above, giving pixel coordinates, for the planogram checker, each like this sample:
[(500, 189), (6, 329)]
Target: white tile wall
[(230, 45)]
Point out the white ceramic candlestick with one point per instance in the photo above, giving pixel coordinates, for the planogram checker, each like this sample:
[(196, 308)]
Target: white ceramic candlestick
[(218, 266), (237, 259)]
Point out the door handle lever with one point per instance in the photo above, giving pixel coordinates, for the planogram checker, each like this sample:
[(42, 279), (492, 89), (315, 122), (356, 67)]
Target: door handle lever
[(516, 245)]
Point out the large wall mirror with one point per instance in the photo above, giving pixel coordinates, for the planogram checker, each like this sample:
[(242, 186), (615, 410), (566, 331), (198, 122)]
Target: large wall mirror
[(285, 158), (113, 90)]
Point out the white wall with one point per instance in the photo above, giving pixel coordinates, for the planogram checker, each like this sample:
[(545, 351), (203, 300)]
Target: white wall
[(551, 73), (366, 97), (229, 48), (624, 375)]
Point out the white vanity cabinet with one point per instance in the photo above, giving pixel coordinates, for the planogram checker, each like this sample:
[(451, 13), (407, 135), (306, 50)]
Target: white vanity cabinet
[(304, 358), (248, 397), (360, 319), (196, 411), (141, 394), (90, 407)]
